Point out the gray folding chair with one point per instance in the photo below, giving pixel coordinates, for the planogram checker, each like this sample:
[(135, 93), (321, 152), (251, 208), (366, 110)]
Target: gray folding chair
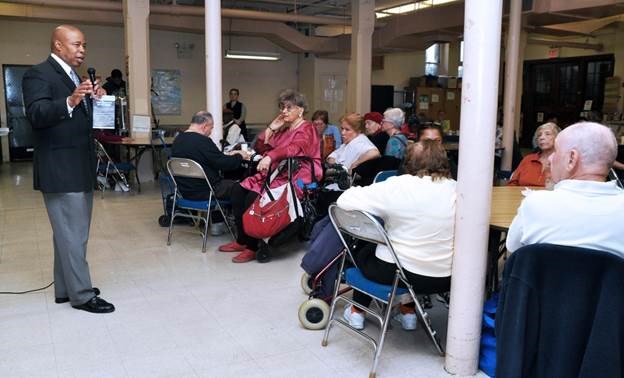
[(107, 168), (181, 207), (364, 226)]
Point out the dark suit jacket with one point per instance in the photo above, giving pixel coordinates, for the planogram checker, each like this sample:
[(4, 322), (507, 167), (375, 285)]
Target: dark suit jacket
[(64, 156)]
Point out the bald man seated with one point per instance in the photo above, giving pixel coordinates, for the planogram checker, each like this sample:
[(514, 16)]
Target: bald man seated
[(584, 209)]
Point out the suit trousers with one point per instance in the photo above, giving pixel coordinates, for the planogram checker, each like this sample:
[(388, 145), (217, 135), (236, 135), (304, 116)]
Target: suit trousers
[(70, 217)]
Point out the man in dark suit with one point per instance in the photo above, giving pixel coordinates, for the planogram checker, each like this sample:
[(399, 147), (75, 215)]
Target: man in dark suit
[(58, 105)]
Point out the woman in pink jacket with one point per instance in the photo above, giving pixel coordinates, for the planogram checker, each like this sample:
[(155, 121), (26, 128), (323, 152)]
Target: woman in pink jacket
[(289, 135)]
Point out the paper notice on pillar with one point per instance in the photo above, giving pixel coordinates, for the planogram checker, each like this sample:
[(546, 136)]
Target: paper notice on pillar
[(540, 117), (450, 96), (435, 98), (104, 112), (140, 124), (588, 105)]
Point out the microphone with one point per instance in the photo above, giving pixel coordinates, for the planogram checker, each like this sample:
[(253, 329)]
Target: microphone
[(91, 72)]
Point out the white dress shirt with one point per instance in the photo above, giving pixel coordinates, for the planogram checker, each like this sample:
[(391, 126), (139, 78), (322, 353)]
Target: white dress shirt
[(66, 67), (587, 214)]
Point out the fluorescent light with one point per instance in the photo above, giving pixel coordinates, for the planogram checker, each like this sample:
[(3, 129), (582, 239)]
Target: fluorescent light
[(252, 55), (410, 7)]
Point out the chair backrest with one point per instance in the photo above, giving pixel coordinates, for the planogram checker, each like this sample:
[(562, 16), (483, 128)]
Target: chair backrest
[(185, 168), (384, 175), (613, 176), (101, 153), (363, 226), (182, 167)]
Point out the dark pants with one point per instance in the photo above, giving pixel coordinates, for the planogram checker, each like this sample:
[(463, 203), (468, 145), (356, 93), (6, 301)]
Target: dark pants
[(324, 199), (383, 272), (241, 200)]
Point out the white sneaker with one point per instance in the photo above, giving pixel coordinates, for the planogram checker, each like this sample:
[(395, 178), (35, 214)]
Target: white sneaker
[(355, 319), (408, 321)]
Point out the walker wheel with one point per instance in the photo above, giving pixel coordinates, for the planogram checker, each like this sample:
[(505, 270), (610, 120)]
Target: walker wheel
[(164, 220), (314, 314), (306, 283)]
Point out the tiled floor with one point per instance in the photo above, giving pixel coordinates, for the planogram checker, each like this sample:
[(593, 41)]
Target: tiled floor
[(180, 312)]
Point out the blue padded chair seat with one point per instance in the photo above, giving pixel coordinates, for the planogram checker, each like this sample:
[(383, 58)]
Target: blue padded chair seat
[(355, 278), (199, 205)]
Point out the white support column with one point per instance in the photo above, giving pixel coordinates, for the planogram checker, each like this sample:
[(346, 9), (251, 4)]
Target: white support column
[(512, 65), (482, 38), (214, 54), (136, 32), (363, 25)]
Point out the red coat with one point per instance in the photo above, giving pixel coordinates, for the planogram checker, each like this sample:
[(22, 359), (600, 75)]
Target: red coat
[(303, 141)]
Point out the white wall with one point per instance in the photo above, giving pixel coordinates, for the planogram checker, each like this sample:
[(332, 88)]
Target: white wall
[(398, 68)]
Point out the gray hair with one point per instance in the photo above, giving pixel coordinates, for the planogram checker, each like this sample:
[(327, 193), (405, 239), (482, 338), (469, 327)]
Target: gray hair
[(202, 117), (594, 142), (548, 125), (292, 97), (394, 115)]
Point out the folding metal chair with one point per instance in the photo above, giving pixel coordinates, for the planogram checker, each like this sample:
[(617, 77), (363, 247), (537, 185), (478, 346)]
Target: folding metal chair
[(363, 226), (613, 176), (179, 167), (106, 168)]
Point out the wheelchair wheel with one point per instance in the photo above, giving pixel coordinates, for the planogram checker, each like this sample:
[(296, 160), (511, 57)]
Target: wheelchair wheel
[(306, 283), (164, 220), (314, 314)]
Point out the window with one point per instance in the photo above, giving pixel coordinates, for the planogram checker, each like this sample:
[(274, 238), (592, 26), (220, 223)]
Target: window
[(460, 68), (432, 59), (597, 71)]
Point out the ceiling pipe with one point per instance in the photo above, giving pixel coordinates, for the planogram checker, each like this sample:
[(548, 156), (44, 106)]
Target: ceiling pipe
[(576, 45), (188, 11)]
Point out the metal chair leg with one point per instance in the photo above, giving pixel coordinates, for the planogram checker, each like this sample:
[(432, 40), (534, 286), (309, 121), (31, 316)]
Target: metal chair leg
[(384, 326), (334, 299), (173, 214), (206, 222)]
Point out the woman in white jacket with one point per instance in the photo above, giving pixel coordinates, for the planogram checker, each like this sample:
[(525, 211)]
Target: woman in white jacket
[(418, 209)]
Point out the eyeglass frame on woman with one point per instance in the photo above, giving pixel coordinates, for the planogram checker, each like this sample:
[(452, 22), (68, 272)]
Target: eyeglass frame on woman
[(289, 108)]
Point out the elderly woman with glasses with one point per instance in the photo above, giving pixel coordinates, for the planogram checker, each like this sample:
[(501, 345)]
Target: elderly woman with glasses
[(288, 135), (391, 124)]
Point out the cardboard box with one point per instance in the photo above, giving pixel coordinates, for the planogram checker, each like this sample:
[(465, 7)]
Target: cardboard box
[(429, 101)]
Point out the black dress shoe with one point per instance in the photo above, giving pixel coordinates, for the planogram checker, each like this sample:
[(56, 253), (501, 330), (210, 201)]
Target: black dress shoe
[(96, 291), (96, 305)]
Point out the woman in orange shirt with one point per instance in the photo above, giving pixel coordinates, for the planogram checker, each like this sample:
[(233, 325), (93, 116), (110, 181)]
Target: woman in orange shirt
[(534, 169)]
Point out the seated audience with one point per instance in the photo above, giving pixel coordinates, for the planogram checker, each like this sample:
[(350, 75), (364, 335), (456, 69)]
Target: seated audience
[(418, 209), (288, 135), (328, 134), (534, 169), (195, 143), (583, 210), (391, 125), (372, 123), (355, 148)]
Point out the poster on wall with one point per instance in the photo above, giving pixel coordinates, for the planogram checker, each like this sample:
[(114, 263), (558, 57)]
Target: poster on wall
[(166, 92)]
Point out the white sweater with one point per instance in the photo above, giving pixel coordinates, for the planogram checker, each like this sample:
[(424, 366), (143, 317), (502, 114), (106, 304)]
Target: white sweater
[(419, 217)]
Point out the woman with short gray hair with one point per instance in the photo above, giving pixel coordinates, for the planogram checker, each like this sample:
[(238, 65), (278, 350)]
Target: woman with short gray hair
[(391, 124)]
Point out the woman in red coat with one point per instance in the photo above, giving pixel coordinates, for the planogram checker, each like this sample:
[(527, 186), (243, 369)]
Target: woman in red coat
[(289, 135)]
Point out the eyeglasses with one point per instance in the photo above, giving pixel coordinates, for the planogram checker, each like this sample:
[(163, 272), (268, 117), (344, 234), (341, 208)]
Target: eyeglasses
[(288, 108)]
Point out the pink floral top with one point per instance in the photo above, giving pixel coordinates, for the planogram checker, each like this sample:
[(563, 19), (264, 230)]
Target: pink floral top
[(303, 141)]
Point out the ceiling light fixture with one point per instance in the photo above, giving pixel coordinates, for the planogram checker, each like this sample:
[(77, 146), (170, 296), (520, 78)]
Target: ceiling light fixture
[(252, 55)]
